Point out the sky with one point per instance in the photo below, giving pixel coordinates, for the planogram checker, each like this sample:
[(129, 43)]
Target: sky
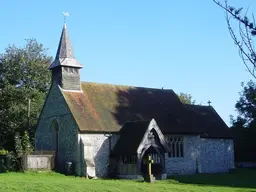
[(180, 45)]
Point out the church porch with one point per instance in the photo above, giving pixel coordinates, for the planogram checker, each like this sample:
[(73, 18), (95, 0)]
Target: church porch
[(137, 166), (130, 157)]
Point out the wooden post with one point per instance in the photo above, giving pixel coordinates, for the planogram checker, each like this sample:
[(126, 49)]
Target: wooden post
[(29, 103)]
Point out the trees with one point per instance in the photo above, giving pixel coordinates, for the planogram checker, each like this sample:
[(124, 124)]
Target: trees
[(246, 107), (23, 77), (244, 126), (244, 37), (186, 98)]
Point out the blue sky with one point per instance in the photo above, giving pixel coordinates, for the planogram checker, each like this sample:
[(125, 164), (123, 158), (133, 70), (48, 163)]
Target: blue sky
[(179, 45)]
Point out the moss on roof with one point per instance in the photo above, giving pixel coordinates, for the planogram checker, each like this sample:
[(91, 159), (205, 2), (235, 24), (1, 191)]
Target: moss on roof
[(106, 107)]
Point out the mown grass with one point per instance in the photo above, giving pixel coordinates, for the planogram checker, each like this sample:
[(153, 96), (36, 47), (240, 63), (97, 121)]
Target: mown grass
[(241, 180)]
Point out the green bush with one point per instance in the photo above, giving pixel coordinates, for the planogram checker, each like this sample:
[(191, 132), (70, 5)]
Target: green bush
[(26, 144), (5, 163), (13, 161), (3, 152), (23, 147)]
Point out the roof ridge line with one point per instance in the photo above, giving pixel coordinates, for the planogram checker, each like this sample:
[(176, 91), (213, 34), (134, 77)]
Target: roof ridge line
[(132, 86)]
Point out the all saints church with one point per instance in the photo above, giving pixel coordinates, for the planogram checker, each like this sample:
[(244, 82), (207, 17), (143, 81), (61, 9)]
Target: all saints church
[(110, 130)]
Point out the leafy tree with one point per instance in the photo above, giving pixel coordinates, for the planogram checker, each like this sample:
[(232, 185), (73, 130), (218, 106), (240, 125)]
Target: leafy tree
[(244, 126), (186, 98), (26, 144), (23, 76), (244, 36), (22, 147), (18, 145), (246, 106)]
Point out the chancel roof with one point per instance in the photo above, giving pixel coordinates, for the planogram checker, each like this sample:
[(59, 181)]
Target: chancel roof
[(206, 121), (106, 108)]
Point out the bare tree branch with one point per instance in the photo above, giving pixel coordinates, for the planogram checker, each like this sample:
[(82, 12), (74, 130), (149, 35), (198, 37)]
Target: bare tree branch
[(247, 31)]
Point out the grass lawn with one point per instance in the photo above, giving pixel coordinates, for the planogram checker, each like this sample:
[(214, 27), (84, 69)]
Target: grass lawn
[(241, 180)]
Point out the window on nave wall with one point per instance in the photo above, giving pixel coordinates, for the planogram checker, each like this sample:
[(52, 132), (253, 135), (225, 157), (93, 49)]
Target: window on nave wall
[(176, 145)]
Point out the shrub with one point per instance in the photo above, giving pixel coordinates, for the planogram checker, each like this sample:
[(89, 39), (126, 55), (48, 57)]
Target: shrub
[(4, 161), (26, 144), (3, 152), (22, 147), (13, 161)]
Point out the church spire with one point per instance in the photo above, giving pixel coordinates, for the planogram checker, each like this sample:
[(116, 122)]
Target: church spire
[(65, 55), (65, 68), (65, 49)]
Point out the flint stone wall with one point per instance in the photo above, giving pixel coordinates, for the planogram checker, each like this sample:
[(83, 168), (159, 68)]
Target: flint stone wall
[(202, 155)]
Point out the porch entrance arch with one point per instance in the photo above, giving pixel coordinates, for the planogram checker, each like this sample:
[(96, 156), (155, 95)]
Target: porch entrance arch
[(158, 165)]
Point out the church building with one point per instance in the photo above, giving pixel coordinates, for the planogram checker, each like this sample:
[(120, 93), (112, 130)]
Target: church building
[(108, 130)]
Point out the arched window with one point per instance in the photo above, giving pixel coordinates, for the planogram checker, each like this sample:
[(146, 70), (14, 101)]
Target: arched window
[(55, 135)]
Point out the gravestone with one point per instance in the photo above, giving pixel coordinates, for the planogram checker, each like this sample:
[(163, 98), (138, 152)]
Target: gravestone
[(148, 177)]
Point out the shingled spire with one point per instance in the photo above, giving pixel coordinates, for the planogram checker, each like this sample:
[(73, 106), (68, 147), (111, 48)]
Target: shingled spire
[(65, 55), (65, 68), (65, 48)]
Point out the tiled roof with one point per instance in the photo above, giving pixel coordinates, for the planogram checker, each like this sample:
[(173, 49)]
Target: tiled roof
[(131, 136), (106, 107), (206, 121)]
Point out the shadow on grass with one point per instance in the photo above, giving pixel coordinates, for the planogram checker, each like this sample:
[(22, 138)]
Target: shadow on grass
[(242, 178)]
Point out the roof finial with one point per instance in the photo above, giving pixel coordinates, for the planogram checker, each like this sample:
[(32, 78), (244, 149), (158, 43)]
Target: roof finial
[(209, 103), (66, 14)]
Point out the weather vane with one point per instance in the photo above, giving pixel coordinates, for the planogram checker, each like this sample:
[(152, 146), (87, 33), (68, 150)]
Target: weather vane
[(66, 14)]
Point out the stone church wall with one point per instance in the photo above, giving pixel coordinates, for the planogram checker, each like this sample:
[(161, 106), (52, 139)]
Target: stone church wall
[(187, 163), (99, 145), (56, 109), (202, 156), (216, 155)]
